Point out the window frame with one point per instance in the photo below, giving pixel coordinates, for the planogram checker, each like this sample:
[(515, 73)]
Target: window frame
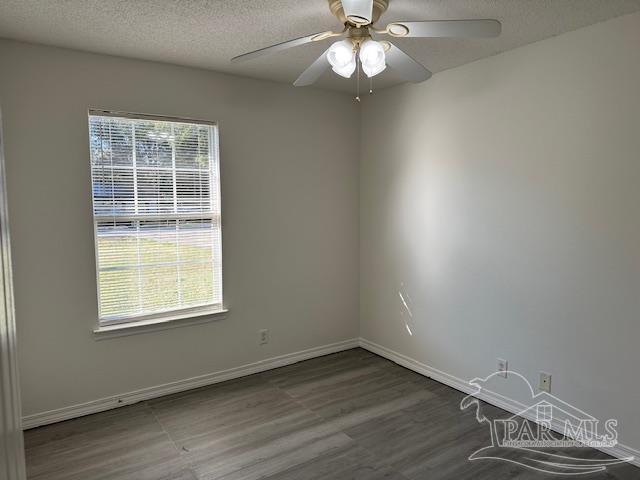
[(161, 320)]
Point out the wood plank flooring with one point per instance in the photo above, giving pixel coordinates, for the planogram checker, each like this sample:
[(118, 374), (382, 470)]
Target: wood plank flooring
[(351, 415)]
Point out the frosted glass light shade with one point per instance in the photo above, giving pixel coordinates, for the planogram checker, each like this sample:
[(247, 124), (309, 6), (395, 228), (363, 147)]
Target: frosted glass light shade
[(342, 58), (372, 58)]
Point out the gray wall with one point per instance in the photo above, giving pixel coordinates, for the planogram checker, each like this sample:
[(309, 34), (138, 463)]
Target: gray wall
[(290, 207), (501, 200)]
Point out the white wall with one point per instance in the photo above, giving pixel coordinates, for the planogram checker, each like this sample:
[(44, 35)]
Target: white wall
[(290, 206), (501, 198)]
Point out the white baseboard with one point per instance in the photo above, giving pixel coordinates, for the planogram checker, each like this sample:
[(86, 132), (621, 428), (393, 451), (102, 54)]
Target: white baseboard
[(108, 403), (505, 403)]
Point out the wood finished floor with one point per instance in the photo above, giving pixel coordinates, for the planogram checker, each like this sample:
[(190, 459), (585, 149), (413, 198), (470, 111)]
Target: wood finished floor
[(351, 415)]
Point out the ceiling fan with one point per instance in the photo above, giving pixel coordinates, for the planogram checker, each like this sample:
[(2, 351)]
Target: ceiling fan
[(359, 49)]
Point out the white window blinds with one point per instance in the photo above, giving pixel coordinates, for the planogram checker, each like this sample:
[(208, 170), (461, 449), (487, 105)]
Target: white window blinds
[(156, 207)]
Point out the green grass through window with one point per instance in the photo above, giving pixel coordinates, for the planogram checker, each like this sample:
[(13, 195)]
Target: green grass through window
[(152, 285)]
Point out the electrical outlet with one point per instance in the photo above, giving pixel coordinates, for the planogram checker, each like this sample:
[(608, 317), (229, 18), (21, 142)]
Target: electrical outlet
[(264, 337), (503, 367), (545, 382)]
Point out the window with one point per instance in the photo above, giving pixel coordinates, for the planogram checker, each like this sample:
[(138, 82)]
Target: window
[(156, 211)]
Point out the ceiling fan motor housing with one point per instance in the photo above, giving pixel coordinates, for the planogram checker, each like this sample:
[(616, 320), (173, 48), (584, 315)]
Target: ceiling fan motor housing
[(379, 7)]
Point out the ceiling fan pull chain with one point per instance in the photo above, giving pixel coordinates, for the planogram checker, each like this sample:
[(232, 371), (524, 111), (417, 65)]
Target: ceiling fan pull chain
[(357, 78), (370, 85)]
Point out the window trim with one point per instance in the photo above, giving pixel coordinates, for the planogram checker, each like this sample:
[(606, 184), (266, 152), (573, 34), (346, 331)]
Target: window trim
[(146, 116), (112, 330), (129, 325), (204, 309)]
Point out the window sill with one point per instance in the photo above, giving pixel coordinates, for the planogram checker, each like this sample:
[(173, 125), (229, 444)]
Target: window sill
[(104, 332)]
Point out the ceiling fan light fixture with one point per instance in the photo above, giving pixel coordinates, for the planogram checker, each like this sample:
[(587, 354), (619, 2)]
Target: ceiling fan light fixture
[(372, 57), (342, 58)]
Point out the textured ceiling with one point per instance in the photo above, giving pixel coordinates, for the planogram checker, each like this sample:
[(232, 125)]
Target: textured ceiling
[(207, 33)]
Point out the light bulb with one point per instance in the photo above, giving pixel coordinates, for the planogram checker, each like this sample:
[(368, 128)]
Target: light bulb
[(372, 58), (342, 58)]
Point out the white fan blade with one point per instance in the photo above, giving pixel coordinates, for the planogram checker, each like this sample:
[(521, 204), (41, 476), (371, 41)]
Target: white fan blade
[(282, 46), (358, 11), (406, 66), (315, 70), (446, 28)]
